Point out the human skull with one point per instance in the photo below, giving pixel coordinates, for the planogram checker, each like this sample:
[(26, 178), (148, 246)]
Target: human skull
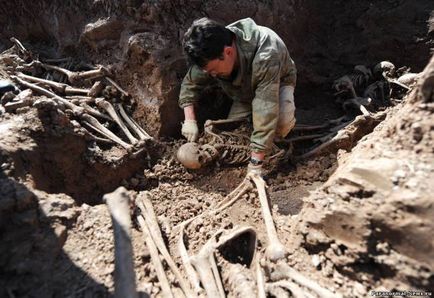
[(193, 156), (384, 68)]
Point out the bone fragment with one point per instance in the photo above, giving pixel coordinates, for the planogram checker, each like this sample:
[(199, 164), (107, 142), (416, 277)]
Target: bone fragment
[(260, 282), (296, 291), (143, 135), (96, 89), (77, 110), (21, 48), (74, 77), (396, 82), (203, 264), (191, 273), (94, 112), (14, 105), (107, 133), (125, 280), (155, 257), (77, 99), (91, 136), (286, 271), (148, 212), (117, 86), (275, 249), (217, 276), (276, 291), (229, 200), (112, 112)]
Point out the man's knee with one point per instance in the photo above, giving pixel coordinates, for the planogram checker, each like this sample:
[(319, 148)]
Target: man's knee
[(286, 120), (285, 126)]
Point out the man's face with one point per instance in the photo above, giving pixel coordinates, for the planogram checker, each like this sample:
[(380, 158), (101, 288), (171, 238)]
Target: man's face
[(222, 67)]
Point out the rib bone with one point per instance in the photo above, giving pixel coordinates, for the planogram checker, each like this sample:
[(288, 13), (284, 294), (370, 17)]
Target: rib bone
[(275, 249)]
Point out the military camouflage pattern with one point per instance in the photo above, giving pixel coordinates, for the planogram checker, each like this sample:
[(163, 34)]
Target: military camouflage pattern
[(264, 66)]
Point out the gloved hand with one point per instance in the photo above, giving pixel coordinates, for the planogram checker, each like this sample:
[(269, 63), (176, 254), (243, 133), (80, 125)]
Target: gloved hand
[(254, 169), (190, 130)]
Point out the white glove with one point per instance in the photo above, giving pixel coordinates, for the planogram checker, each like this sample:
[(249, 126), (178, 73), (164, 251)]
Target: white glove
[(190, 130)]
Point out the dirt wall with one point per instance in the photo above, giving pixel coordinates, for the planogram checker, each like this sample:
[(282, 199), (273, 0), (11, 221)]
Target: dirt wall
[(141, 40)]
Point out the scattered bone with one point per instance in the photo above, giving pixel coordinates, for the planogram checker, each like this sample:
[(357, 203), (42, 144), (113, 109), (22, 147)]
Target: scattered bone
[(186, 261), (283, 270), (58, 87), (125, 279), (104, 131), (148, 213), (276, 291), (13, 106), (105, 105), (91, 136), (117, 86), (260, 281), (296, 291), (76, 99), (229, 200), (74, 77), (345, 138), (143, 135), (26, 53), (409, 79), (202, 264), (165, 286), (79, 112), (275, 249), (204, 260)]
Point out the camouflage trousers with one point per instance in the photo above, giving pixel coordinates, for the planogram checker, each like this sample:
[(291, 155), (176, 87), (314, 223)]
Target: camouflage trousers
[(286, 120)]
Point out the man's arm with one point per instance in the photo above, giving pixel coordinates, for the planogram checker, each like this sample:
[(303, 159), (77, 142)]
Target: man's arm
[(194, 81)]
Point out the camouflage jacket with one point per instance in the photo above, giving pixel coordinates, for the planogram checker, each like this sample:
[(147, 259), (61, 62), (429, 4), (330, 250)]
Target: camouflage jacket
[(264, 66)]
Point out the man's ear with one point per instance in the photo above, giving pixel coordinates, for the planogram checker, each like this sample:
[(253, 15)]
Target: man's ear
[(228, 50)]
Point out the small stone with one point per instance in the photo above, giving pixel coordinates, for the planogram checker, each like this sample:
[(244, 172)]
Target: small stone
[(359, 290), (316, 261)]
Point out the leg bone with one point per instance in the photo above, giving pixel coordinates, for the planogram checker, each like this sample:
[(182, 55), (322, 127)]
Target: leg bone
[(165, 286), (107, 133), (147, 209), (111, 111), (275, 249), (125, 280), (185, 258), (143, 135)]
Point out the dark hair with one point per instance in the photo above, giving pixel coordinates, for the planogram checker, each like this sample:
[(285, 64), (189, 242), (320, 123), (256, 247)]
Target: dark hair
[(205, 41)]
